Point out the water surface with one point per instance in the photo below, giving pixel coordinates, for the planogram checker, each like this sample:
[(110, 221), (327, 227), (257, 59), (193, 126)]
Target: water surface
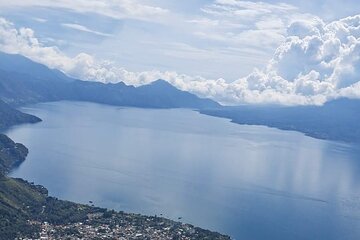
[(250, 182)]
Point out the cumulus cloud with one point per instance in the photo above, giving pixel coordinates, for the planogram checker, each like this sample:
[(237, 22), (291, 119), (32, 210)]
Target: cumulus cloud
[(84, 66), (315, 63), (23, 41)]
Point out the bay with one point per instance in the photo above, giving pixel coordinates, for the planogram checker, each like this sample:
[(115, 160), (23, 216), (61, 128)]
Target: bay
[(250, 182)]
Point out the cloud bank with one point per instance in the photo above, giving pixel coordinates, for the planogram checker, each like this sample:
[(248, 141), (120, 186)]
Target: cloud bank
[(315, 63)]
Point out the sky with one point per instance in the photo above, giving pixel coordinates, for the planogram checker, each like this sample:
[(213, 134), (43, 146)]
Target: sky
[(233, 51)]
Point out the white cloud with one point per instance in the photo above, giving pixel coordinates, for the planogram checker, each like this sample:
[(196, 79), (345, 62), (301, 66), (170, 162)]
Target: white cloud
[(40, 20), (255, 29), (117, 9), (316, 62), (245, 9), (23, 41), (84, 29), (246, 23)]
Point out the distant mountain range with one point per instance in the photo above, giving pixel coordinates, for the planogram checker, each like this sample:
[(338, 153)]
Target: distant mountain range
[(23, 81), (336, 120)]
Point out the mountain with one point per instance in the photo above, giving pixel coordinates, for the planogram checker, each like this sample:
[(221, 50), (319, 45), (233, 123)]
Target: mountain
[(10, 116), (23, 81), (19, 64), (336, 120), (11, 154), (161, 93)]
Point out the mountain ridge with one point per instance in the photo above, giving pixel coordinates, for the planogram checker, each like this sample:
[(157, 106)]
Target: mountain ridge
[(10, 116), (34, 82), (336, 120)]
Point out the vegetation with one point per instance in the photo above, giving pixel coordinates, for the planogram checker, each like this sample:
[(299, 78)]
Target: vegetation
[(22, 204), (18, 201)]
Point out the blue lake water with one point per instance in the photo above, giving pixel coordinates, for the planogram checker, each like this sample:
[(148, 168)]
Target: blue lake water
[(250, 182)]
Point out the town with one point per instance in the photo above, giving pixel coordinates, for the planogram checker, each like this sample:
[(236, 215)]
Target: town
[(112, 225)]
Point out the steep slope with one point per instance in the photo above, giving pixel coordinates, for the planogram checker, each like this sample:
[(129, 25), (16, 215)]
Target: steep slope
[(19, 64), (18, 200), (19, 88)]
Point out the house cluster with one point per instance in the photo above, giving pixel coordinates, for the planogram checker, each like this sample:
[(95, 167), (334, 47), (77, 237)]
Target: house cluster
[(124, 230)]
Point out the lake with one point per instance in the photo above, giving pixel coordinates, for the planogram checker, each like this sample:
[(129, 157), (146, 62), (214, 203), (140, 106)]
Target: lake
[(250, 182)]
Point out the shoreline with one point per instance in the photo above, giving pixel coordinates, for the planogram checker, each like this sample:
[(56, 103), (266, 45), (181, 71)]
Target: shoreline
[(44, 216)]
